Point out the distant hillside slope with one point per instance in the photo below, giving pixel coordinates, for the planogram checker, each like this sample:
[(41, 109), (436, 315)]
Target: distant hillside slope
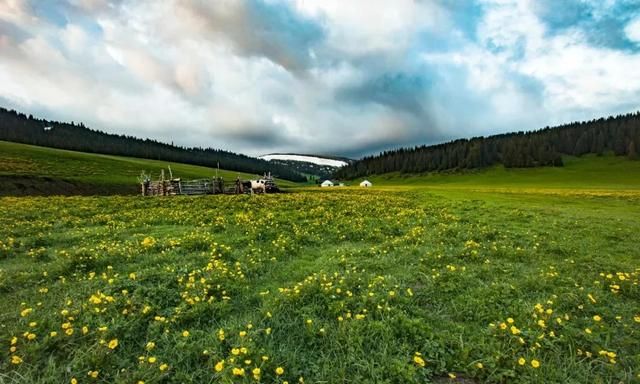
[(588, 172), (32, 170), (318, 167), (18, 127), (545, 147)]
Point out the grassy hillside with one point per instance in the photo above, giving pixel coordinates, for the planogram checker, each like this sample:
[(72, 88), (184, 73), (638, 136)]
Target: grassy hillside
[(28, 169), (587, 172)]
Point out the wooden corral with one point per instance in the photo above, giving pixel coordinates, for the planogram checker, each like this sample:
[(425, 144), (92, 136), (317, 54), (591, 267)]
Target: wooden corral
[(213, 186)]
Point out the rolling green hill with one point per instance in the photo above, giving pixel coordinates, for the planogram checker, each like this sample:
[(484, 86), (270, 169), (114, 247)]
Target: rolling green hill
[(587, 172), (19, 128), (32, 170), (544, 147)]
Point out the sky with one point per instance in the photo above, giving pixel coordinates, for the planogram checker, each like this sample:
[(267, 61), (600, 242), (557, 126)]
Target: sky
[(336, 77)]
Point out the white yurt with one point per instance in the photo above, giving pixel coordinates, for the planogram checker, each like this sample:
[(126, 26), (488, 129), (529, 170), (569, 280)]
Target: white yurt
[(366, 184), (326, 183)]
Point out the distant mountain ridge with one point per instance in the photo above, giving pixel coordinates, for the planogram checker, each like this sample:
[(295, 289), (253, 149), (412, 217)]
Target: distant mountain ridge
[(545, 147), (18, 127), (313, 166), (333, 161)]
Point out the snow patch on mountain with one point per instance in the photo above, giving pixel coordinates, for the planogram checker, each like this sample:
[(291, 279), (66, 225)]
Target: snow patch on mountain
[(307, 159)]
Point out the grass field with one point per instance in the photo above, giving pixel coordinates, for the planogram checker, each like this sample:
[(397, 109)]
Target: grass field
[(386, 285), (28, 170), (587, 172)]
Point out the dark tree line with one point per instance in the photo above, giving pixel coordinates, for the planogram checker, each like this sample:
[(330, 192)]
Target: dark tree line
[(544, 147), (18, 127)]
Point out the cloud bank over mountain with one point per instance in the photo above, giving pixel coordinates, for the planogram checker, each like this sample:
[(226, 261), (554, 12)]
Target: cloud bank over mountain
[(331, 76)]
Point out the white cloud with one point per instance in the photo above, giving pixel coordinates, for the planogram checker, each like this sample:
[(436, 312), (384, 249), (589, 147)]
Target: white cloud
[(358, 28), (632, 30), (226, 76), (515, 53)]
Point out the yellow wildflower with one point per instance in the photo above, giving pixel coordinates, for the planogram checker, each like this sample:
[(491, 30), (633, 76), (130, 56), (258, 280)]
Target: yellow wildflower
[(113, 344), (148, 241), (219, 366), (279, 371)]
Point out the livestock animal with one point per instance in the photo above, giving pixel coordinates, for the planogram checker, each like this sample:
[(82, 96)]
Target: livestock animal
[(258, 186)]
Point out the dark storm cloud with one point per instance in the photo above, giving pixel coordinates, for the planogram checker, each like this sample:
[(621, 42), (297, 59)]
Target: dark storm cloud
[(256, 135), (261, 29), (14, 32), (401, 91)]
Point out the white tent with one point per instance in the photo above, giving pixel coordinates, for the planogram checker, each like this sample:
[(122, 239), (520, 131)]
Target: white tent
[(326, 183), (366, 184)]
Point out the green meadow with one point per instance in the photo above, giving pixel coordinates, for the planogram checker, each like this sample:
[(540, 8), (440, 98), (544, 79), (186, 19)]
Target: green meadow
[(519, 275), (492, 276)]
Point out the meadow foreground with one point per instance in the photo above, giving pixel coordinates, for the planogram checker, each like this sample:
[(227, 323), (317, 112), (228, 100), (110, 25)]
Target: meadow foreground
[(332, 286)]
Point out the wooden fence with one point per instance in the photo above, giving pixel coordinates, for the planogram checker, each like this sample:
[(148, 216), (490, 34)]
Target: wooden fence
[(192, 187)]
